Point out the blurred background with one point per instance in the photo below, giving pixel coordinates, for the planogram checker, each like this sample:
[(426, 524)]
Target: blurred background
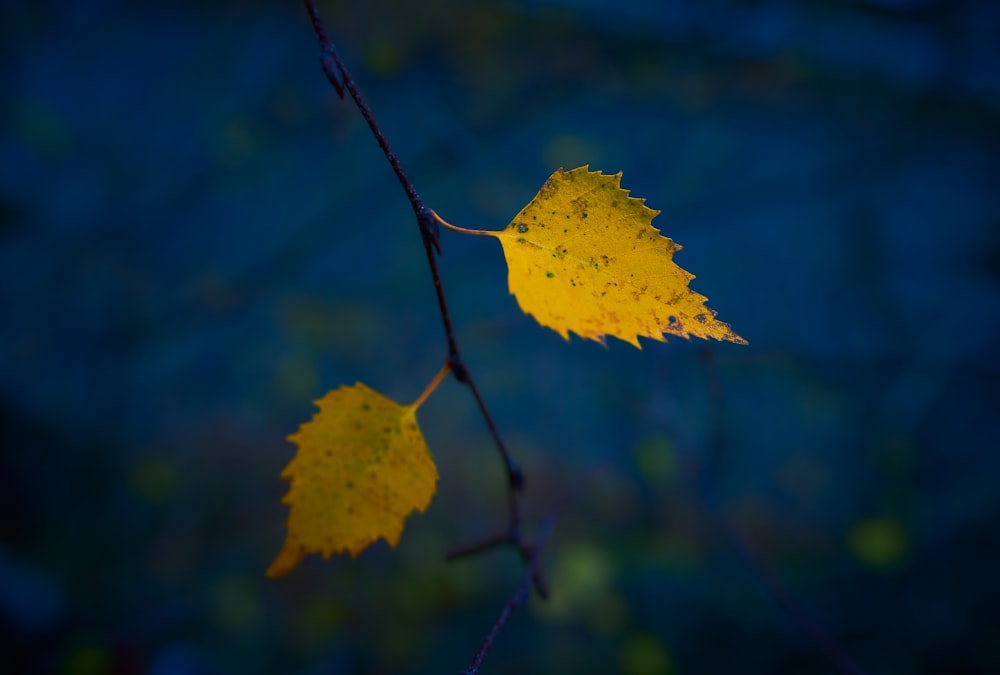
[(198, 239)]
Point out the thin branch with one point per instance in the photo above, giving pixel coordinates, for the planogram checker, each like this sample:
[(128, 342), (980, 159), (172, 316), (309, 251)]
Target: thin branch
[(329, 53), (518, 599), (341, 79), (428, 222), (325, 45), (765, 573), (477, 547)]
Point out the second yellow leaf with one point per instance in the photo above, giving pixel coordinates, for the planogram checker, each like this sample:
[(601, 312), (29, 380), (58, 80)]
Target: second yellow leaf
[(361, 468)]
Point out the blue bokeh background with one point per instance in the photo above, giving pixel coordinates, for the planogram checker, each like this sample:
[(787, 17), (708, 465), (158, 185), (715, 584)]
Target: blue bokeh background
[(197, 239)]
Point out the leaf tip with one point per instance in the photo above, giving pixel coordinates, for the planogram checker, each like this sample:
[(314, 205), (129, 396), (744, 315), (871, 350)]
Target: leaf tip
[(288, 559)]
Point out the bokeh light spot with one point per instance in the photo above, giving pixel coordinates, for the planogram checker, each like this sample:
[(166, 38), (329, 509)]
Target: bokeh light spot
[(644, 655), (878, 542)]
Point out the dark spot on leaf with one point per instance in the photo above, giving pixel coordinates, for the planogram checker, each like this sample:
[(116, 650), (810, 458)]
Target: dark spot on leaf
[(522, 228), (671, 318), (549, 275), (365, 406), (584, 215)]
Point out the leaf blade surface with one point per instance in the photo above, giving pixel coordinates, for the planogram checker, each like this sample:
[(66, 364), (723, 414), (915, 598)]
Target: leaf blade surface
[(361, 468), (583, 257)]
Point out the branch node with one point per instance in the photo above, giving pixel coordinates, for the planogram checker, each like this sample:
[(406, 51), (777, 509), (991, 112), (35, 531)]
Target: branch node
[(515, 476), (458, 368), (429, 227), (520, 596), (330, 70)]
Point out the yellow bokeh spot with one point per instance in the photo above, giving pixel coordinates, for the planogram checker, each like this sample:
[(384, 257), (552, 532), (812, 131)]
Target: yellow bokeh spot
[(89, 660), (645, 655), (582, 589), (155, 479), (656, 459), (585, 569), (383, 58), (878, 542)]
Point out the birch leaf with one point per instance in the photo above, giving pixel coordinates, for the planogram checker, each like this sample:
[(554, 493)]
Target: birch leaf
[(583, 257), (361, 468)]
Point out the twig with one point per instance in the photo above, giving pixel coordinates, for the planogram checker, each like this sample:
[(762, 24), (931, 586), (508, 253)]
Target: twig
[(519, 597), (339, 76), (341, 80), (765, 573)]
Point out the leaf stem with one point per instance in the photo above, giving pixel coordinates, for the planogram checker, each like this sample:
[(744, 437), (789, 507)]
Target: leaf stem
[(438, 379), (456, 228)]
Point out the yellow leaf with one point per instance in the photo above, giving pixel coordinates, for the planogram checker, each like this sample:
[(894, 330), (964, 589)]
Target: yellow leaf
[(361, 468), (584, 257)]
